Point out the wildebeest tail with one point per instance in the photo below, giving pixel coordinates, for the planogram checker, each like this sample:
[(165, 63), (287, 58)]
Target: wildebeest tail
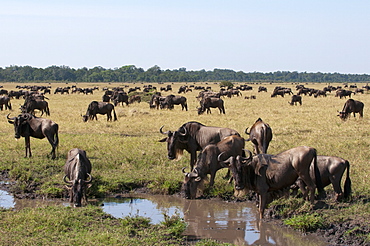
[(347, 183), (318, 180)]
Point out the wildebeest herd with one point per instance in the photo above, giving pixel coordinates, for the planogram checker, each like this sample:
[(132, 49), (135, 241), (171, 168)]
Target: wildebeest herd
[(218, 147)]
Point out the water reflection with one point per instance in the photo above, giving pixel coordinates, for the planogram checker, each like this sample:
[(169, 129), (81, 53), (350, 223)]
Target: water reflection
[(235, 223)]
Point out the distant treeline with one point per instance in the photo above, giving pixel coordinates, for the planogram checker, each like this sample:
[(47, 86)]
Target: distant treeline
[(154, 74)]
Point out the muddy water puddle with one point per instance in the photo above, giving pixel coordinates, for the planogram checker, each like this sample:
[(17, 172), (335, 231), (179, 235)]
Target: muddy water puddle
[(227, 222)]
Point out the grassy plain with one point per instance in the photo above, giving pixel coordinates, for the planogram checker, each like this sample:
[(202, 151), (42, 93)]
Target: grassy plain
[(126, 154)]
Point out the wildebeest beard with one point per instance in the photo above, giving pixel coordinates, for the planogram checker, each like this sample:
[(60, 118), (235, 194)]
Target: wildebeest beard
[(179, 153)]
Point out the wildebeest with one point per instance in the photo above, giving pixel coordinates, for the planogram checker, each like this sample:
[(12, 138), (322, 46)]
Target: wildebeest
[(27, 125), (295, 99), (193, 136), (208, 163), (351, 106), (260, 134), (31, 104), (78, 172), (5, 100), (172, 100), (135, 98), (211, 102), (95, 108), (331, 170), (120, 97), (343, 93), (265, 173)]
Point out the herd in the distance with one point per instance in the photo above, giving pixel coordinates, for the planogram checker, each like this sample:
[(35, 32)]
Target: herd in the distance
[(267, 175)]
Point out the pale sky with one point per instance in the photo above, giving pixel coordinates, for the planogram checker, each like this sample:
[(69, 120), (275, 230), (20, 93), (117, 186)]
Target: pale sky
[(243, 35)]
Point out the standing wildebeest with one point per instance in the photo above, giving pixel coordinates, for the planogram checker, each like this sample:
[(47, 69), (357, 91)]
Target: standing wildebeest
[(172, 100), (78, 170), (260, 134), (120, 97), (31, 104), (295, 99), (264, 173), (193, 137), (211, 102), (343, 93), (351, 106), (331, 170), (95, 108), (5, 100), (135, 98), (208, 163), (27, 125)]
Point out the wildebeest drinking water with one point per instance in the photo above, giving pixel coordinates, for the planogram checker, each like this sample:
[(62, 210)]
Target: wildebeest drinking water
[(78, 172)]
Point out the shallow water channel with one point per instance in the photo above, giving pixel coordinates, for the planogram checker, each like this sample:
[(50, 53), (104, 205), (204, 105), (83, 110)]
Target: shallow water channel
[(228, 222)]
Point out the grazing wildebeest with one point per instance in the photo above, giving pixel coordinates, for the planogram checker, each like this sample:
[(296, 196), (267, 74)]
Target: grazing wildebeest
[(27, 125), (211, 102), (31, 104), (343, 93), (135, 98), (95, 108), (208, 163), (193, 136), (265, 173), (295, 99), (331, 170), (172, 100), (260, 134), (5, 100), (120, 97), (78, 172), (351, 106), (262, 88), (156, 100)]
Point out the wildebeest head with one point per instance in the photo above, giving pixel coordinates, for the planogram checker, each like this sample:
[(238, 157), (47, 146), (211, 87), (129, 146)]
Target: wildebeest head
[(191, 183), (77, 188), (85, 118), (237, 166), (343, 115), (20, 123), (176, 142)]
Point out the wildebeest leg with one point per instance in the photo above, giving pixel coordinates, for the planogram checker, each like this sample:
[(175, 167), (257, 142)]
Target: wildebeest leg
[(335, 181), (28, 146), (262, 203), (311, 187), (109, 116), (53, 142)]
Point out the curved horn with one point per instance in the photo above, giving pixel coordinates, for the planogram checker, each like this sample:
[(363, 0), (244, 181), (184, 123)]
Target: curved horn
[(65, 180), (7, 116), (246, 131), (249, 153), (160, 130), (183, 134), (226, 162), (183, 170), (194, 174), (90, 179)]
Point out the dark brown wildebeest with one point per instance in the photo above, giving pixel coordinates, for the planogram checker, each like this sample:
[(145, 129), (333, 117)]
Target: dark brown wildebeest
[(135, 98), (260, 134), (351, 106), (265, 173), (320, 93), (156, 100), (5, 100), (95, 108), (208, 163), (31, 104), (295, 99), (262, 88), (343, 93), (120, 97), (78, 172), (211, 102), (331, 170), (193, 136), (172, 100), (27, 125)]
